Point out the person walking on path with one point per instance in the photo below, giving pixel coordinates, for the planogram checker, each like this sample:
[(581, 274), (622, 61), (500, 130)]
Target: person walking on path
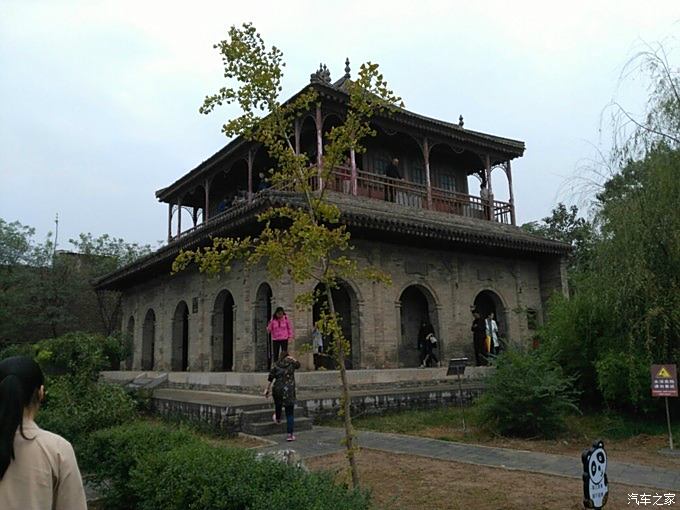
[(431, 359), (38, 469), (282, 388), (478, 338), (281, 331)]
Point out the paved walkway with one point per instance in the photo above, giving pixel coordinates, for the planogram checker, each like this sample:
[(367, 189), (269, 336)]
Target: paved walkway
[(326, 440)]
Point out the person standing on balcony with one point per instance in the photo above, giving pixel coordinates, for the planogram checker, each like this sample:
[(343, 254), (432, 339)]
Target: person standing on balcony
[(392, 172), (281, 331)]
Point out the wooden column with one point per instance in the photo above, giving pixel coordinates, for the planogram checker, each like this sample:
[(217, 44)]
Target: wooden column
[(169, 222), (508, 173), (251, 158), (428, 180), (353, 163), (319, 142), (194, 215), (298, 126), (206, 214), (179, 217), (489, 189)]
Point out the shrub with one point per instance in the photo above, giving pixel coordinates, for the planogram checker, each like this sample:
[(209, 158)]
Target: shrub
[(112, 454), (623, 380), (75, 410), (199, 476), (528, 395)]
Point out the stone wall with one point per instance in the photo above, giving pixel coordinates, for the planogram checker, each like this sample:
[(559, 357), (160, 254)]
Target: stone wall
[(448, 281)]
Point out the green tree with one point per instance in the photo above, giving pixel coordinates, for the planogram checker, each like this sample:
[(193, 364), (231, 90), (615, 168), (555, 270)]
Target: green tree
[(45, 294), (564, 224), (306, 241), (626, 310)]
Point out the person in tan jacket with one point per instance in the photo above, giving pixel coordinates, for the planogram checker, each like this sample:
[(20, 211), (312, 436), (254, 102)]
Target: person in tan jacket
[(38, 469)]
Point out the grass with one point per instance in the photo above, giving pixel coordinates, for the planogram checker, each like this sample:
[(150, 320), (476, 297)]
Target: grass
[(610, 425)]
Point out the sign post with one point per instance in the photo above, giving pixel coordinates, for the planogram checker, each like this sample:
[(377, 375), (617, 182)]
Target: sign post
[(665, 384), (457, 367)]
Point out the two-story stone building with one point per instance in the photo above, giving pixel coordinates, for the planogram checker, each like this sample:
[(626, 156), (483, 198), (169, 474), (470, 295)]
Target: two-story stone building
[(447, 249)]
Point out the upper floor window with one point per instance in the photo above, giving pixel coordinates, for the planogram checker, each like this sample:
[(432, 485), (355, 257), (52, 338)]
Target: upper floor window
[(447, 182), (378, 161), (417, 173)]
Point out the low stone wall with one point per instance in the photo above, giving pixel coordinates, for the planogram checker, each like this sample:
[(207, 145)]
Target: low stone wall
[(225, 419), (322, 380), (323, 408)]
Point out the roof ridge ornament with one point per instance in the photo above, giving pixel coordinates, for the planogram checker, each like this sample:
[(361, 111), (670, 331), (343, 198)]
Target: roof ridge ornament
[(347, 69), (461, 123), (322, 75)]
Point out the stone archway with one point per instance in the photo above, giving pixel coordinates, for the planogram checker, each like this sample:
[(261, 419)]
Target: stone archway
[(130, 333), (223, 332), (416, 304), (262, 313), (347, 307), (487, 301), (180, 338), (148, 340)]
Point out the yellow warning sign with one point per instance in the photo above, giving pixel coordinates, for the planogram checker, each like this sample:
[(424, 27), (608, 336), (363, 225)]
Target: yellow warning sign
[(663, 373)]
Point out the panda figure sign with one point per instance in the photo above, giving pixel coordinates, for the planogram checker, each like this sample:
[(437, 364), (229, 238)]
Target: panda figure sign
[(595, 483)]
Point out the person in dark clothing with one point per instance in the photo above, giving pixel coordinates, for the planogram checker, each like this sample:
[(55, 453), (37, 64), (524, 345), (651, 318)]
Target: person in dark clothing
[(431, 359), (478, 338), (282, 388), (392, 172), (425, 330)]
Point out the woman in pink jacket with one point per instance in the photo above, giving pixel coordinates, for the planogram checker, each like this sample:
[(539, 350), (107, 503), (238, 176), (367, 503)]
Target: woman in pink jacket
[(281, 331)]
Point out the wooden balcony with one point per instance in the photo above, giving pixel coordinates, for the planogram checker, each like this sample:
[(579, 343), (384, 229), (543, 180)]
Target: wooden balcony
[(410, 194), (402, 192)]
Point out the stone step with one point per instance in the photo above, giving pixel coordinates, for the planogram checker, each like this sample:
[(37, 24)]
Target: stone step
[(267, 428), (264, 414)]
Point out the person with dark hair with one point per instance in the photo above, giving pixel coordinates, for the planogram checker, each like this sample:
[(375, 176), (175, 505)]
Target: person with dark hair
[(38, 469), (478, 338), (281, 331), (282, 388), (392, 171)]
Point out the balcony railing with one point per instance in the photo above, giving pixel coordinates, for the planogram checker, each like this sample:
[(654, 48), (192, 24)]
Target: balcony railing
[(411, 194), (408, 194)]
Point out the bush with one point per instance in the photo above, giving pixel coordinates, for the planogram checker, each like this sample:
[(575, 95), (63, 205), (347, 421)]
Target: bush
[(199, 476), (75, 410), (151, 466), (623, 380), (528, 395), (112, 454)]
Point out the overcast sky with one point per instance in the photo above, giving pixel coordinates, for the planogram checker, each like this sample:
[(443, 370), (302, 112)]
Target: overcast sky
[(99, 100)]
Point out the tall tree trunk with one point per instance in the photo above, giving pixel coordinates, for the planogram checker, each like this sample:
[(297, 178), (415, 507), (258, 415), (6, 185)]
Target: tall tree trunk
[(345, 400)]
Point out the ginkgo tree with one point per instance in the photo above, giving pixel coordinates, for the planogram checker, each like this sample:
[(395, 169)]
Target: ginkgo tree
[(303, 238)]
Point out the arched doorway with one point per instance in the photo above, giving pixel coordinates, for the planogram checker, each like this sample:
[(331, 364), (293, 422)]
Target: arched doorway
[(417, 305), (346, 306), (180, 338), (487, 301), (130, 334), (262, 314), (148, 340), (223, 332)]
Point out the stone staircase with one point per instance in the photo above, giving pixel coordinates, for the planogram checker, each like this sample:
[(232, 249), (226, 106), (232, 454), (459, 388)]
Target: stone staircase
[(257, 420)]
